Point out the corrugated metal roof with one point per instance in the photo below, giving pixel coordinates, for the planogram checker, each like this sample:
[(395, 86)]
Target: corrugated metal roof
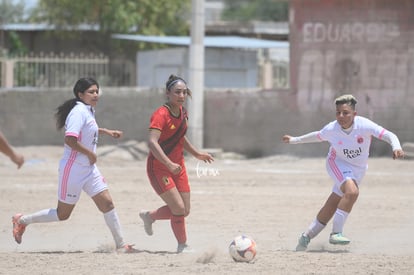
[(209, 41)]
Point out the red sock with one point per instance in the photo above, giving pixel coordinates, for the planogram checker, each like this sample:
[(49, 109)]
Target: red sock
[(178, 227), (162, 213)]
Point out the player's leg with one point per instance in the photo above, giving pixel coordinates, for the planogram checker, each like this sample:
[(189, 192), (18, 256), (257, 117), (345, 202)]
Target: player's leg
[(104, 203), (322, 218), (149, 217), (20, 221), (97, 189), (183, 188), (175, 201), (69, 191), (327, 211), (182, 246), (187, 202), (351, 191), (162, 182)]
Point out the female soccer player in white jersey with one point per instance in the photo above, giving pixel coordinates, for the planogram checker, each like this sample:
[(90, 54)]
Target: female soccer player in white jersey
[(350, 139), (77, 168)]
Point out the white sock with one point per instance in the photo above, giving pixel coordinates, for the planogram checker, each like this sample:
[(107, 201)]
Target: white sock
[(112, 220), (45, 215), (339, 220), (314, 229)]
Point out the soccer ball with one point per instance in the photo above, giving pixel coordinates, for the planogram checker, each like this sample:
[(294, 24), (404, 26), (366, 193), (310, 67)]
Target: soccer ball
[(242, 249)]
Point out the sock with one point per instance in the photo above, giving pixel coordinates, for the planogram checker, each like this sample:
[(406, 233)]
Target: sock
[(314, 229), (45, 215), (112, 221), (162, 213), (178, 227), (339, 220)]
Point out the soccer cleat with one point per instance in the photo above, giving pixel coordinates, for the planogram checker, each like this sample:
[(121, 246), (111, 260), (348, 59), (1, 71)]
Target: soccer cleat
[(184, 248), (303, 242), (147, 222), (18, 228), (338, 238), (128, 248)]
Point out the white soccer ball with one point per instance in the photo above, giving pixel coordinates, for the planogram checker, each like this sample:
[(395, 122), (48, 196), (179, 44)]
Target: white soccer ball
[(242, 249)]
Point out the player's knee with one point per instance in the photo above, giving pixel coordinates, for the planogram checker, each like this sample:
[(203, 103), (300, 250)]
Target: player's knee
[(106, 207), (178, 210), (352, 195), (63, 216), (187, 212)]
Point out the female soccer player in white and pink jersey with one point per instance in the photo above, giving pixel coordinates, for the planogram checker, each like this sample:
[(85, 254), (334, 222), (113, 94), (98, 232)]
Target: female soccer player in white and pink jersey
[(77, 168), (350, 139)]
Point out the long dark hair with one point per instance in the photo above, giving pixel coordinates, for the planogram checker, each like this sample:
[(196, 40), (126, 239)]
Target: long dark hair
[(63, 110)]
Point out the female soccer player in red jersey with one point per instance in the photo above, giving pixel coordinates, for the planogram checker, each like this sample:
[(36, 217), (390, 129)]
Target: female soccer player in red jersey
[(165, 164)]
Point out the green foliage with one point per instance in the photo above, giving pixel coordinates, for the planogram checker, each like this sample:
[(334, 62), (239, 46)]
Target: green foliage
[(117, 16), (16, 46), (11, 12), (148, 17), (263, 10)]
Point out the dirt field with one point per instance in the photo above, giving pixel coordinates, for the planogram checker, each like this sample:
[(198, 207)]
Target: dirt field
[(271, 199)]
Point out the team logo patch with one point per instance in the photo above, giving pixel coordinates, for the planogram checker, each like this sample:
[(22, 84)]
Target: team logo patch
[(360, 140), (165, 180), (172, 127)]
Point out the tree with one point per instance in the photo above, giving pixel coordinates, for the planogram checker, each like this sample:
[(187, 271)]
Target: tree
[(263, 10), (10, 12), (161, 17)]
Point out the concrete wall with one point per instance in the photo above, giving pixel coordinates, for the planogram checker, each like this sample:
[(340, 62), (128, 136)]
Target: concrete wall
[(27, 116), (243, 121)]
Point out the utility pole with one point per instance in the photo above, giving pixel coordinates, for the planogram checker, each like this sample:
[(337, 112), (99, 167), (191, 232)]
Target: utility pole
[(196, 74)]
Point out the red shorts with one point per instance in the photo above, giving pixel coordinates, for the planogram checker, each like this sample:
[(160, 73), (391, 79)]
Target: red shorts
[(163, 180)]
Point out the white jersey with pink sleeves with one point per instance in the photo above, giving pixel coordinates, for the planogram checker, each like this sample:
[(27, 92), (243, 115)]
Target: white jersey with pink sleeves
[(81, 124), (352, 147)]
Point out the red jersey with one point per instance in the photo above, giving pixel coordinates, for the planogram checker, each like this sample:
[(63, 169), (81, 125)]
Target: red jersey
[(172, 129)]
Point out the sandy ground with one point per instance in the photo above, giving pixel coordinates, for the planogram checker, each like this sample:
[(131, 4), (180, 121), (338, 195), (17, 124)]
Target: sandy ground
[(271, 199)]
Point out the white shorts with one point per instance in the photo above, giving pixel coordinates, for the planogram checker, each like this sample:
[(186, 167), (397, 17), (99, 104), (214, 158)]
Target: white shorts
[(73, 178), (340, 171)]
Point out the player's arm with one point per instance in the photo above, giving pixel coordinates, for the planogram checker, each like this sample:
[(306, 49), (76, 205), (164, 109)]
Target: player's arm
[(6, 149), (206, 157), (393, 140), (307, 138), (73, 143), (158, 153), (112, 133)]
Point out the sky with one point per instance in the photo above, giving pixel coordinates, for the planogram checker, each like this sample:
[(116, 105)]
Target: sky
[(29, 3)]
